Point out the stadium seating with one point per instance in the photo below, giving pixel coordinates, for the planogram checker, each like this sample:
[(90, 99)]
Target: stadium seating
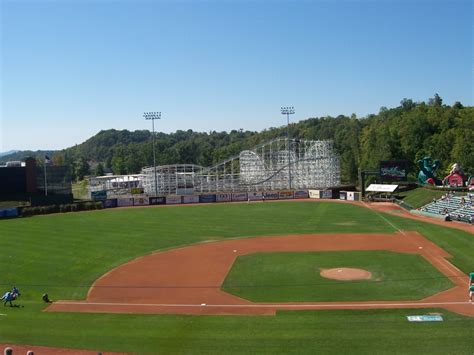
[(460, 208)]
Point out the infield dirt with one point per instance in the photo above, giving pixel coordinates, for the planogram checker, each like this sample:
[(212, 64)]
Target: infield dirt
[(187, 280)]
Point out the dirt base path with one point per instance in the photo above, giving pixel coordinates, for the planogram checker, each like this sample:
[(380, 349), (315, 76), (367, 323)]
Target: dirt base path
[(187, 280), (44, 350)]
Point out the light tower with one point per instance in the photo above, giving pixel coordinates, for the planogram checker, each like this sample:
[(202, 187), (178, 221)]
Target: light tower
[(153, 116), (288, 111)]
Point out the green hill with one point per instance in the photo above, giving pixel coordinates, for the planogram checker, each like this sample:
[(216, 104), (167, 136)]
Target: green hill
[(407, 132)]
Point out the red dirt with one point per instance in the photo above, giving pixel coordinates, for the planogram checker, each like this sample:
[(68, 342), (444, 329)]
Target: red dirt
[(346, 274), (187, 280), (44, 350)]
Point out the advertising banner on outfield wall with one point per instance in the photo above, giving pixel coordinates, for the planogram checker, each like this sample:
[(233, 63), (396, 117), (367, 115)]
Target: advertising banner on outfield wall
[(191, 199), (99, 195), (161, 200), (301, 194), (356, 196), (124, 202), (285, 194), (223, 197), (327, 194), (342, 195), (8, 212), (141, 201), (110, 203), (255, 196), (207, 198), (350, 196), (314, 193), (271, 195), (239, 196), (173, 200)]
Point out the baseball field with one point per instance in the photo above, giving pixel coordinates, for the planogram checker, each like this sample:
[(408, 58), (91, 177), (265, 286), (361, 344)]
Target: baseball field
[(237, 278)]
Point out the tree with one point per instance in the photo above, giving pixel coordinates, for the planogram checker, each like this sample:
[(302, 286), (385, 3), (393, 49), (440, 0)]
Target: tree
[(81, 168), (458, 106), (435, 101), (407, 104), (99, 170), (118, 165), (58, 159)]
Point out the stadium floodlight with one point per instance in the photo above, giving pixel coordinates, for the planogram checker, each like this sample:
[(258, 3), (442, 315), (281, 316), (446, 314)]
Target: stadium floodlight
[(153, 116), (288, 111)]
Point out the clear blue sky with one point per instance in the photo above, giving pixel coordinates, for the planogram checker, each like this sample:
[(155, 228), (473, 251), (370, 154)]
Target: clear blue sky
[(72, 68)]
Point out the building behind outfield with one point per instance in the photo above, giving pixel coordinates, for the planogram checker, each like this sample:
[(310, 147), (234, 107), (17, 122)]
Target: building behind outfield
[(31, 182)]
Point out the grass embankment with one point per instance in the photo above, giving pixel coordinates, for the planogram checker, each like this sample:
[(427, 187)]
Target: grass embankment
[(63, 254), (420, 196), (295, 277)]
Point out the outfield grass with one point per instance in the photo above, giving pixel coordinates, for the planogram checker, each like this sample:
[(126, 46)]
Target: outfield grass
[(63, 254), (68, 251), (295, 277), (302, 332)]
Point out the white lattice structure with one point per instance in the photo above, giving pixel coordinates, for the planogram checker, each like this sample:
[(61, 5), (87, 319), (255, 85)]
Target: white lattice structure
[(311, 164), (172, 179), (115, 184)]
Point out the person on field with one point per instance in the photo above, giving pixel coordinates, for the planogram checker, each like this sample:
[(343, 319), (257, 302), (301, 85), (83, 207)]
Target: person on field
[(8, 297), (45, 298), (471, 292), (16, 291)]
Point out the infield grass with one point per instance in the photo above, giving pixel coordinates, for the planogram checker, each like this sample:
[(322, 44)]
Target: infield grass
[(63, 254), (295, 277)]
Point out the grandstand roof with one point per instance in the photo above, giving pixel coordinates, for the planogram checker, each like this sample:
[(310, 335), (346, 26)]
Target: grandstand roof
[(381, 188)]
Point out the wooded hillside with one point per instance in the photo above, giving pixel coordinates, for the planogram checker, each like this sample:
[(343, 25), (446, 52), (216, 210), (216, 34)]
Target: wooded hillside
[(409, 131)]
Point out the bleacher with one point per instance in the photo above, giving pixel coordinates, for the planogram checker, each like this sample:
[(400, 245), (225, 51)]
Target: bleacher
[(453, 207)]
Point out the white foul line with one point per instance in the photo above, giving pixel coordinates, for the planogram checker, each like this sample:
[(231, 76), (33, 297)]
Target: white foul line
[(385, 219), (443, 260)]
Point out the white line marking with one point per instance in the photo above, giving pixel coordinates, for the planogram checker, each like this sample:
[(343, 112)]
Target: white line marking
[(443, 260), (2, 314), (263, 305), (386, 220)]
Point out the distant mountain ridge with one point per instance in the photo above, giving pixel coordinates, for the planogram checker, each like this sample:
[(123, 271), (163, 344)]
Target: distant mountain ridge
[(8, 152), (23, 154)]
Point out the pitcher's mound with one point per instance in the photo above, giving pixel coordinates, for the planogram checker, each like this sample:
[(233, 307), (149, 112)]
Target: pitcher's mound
[(345, 273)]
